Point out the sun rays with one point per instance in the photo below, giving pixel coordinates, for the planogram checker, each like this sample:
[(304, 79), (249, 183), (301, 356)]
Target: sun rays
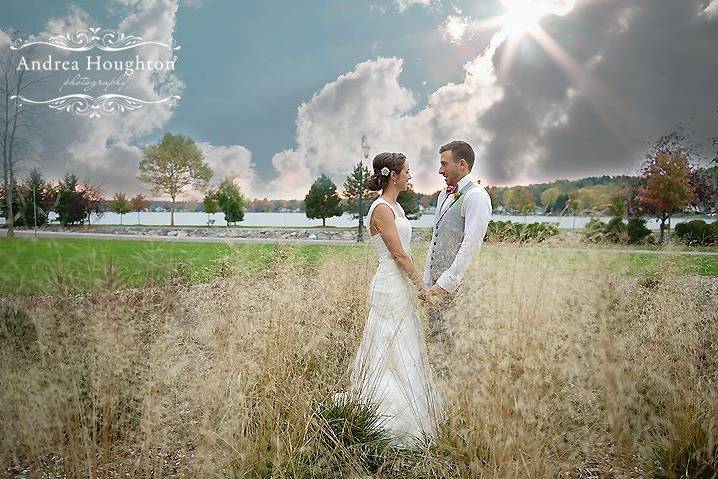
[(521, 20)]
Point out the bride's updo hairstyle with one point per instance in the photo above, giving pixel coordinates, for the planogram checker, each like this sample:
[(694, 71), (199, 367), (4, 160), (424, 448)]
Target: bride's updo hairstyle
[(390, 161)]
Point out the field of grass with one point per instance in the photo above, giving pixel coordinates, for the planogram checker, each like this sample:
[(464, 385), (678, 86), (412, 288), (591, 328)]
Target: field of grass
[(42, 265), (563, 366)]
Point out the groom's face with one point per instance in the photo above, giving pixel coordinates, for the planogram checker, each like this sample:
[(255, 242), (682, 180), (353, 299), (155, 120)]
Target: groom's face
[(449, 168)]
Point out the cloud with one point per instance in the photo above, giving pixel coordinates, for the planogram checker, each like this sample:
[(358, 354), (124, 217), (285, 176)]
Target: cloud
[(233, 161), (711, 10), (613, 79), (105, 149), (404, 4), (457, 29), (370, 100)]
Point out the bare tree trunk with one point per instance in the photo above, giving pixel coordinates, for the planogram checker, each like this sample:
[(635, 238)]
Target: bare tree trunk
[(12, 84), (7, 167), (172, 213)]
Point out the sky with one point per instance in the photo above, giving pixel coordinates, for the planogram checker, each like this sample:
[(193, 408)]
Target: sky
[(276, 93)]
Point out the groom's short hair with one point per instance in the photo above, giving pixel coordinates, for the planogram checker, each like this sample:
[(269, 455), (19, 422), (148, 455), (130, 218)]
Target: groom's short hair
[(460, 149)]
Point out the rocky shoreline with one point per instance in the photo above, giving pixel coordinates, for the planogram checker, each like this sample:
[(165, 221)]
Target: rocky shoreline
[(215, 232)]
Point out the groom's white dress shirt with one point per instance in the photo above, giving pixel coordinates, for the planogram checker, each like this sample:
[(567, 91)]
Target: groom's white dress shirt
[(477, 213)]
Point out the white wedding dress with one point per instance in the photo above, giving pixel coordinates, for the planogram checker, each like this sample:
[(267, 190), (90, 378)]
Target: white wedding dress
[(391, 367)]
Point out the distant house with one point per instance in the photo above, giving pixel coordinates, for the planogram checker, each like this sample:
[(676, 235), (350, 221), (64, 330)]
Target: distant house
[(159, 209)]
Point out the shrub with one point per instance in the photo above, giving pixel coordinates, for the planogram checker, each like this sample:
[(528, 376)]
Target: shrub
[(594, 230), (500, 231), (637, 231), (616, 231), (697, 232)]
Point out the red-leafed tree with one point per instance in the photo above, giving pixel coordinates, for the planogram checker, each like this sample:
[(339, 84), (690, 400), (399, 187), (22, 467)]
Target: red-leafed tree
[(666, 187)]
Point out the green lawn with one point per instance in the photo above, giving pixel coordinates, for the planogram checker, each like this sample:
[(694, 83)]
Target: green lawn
[(45, 264), (35, 264)]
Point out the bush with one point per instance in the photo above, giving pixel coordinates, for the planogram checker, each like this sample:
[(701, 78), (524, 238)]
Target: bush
[(500, 231), (637, 231), (616, 231), (697, 232), (594, 231)]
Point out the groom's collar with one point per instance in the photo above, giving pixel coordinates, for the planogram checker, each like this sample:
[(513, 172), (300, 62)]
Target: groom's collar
[(463, 181)]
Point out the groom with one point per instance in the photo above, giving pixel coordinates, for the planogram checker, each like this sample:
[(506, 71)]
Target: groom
[(462, 216)]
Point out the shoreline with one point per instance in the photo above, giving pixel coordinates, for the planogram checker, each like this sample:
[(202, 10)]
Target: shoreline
[(566, 240)]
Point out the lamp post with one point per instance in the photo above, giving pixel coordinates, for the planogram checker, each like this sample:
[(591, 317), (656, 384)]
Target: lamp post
[(34, 209), (365, 154)]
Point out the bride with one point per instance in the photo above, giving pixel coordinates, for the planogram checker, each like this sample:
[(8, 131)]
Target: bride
[(391, 368)]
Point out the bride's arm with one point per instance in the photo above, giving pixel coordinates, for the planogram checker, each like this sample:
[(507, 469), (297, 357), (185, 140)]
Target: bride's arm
[(383, 222)]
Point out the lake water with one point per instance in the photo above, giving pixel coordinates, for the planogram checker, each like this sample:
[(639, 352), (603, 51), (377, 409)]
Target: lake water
[(300, 219)]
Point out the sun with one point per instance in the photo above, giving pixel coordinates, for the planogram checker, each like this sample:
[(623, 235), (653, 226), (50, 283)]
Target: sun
[(523, 16)]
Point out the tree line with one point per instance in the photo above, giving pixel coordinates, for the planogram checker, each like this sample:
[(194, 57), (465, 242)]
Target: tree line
[(668, 183)]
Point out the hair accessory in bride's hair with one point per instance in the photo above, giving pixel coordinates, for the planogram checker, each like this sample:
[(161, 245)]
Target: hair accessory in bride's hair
[(385, 171)]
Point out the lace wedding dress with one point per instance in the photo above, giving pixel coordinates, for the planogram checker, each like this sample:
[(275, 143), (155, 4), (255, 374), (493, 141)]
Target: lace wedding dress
[(391, 368)]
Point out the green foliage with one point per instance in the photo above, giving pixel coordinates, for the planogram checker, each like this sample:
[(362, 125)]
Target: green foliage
[(26, 209), (230, 200), (409, 201), (638, 232), (356, 186), (72, 206), (322, 201), (519, 198), (616, 231), (698, 232), (353, 427), (594, 230), (173, 164), (506, 231), (121, 205), (210, 203)]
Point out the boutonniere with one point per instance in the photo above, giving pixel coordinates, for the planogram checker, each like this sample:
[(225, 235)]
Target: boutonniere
[(457, 195)]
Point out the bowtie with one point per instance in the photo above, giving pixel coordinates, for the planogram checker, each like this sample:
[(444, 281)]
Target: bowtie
[(450, 189)]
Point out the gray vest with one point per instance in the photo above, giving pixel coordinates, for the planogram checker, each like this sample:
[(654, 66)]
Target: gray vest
[(448, 234)]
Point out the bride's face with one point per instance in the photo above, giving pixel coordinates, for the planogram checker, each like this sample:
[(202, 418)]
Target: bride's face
[(403, 178)]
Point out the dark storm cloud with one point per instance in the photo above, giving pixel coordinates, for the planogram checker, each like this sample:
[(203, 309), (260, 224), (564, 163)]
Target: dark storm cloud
[(657, 62)]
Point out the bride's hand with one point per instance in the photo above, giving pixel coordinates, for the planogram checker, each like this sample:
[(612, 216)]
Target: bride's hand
[(425, 294)]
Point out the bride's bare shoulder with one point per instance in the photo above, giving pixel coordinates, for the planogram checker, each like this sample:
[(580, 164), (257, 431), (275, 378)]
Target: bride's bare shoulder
[(382, 215)]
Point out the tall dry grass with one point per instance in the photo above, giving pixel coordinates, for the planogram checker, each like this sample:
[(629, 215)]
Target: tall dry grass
[(559, 369)]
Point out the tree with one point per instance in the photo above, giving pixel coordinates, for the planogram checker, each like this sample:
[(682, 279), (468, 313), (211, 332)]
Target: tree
[(496, 195), (353, 189), (409, 202), (211, 205), (120, 205), (71, 204), (519, 198), (549, 197), (618, 208), (230, 200), (560, 203), (666, 188), (32, 200), (14, 120), (139, 203), (322, 201), (92, 194), (173, 164), (706, 195)]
